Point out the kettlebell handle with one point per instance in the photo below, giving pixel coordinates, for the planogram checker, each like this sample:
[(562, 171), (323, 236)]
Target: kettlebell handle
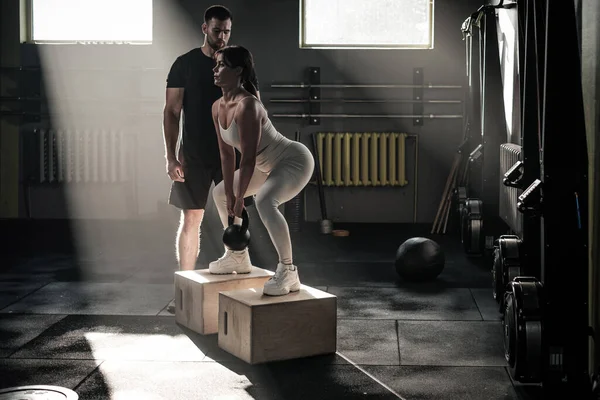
[(245, 220)]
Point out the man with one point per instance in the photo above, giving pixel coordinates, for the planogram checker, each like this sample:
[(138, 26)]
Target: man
[(191, 89)]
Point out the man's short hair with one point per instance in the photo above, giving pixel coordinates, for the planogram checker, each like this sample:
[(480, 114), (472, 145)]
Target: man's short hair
[(219, 12)]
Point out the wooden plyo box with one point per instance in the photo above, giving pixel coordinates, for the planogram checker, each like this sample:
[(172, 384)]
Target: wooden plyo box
[(197, 295), (258, 328)]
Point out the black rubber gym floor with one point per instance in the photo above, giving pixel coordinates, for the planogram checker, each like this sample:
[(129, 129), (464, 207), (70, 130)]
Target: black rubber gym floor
[(95, 321)]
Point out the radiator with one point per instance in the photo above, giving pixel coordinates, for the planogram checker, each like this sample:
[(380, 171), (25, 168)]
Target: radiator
[(362, 159), (510, 153), (84, 155)]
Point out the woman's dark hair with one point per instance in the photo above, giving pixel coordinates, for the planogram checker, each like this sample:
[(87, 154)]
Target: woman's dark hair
[(238, 56)]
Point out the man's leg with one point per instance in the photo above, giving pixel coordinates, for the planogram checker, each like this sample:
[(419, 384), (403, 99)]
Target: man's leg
[(191, 197), (188, 238)]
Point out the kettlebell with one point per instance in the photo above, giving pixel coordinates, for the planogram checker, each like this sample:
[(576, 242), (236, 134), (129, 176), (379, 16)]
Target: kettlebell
[(237, 237)]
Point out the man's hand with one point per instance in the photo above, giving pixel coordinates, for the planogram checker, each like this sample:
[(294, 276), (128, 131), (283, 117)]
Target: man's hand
[(175, 171)]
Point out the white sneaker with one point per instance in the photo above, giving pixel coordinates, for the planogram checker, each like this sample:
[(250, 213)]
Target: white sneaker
[(283, 282), (232, 261)]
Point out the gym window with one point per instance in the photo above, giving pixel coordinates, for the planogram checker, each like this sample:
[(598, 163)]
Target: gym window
[(91, 21), (370, 24)]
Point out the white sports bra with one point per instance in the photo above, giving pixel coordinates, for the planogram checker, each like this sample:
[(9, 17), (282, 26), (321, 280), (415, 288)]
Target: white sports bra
[(271, 143)]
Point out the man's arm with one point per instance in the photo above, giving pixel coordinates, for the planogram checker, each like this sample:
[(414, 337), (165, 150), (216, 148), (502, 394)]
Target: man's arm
[(227, 153), (171, 118), (249, 127)]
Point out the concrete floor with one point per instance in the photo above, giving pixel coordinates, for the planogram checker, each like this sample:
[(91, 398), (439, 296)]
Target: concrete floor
[(94, 320)]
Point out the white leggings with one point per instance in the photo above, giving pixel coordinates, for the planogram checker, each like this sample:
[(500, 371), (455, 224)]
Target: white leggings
[(285, 180)]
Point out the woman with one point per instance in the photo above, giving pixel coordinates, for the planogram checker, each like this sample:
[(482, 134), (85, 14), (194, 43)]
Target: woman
[(272, 167)]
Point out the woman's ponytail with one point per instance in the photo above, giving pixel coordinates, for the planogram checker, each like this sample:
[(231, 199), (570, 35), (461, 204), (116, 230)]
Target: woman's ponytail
[(250, 83)]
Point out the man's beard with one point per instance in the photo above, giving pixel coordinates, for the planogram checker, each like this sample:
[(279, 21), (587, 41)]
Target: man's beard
[(214, 44)]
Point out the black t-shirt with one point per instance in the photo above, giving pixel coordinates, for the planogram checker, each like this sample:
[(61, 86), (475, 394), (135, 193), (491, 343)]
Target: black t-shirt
[(193, 72)]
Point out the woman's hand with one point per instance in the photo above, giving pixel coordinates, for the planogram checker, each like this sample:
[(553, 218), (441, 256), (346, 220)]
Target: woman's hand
[(238, 207), (230, 203)]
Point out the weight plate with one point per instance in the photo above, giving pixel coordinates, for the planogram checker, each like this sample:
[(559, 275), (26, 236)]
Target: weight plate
[(513, 272), (510, 330), (38, 392), (497, 285), (476, 226), (523, 326), (507, 264)]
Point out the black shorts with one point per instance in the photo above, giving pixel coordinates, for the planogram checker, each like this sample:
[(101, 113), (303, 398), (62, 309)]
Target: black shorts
[(193, 193)]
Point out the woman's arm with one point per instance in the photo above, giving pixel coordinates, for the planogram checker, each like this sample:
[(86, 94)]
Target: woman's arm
[(249, 124), (227, 154)]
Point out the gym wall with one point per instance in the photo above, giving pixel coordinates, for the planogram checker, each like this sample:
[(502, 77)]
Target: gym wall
[(271, 33), (589, 14)]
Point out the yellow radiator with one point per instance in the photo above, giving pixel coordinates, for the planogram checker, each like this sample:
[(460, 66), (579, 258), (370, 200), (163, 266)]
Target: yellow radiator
[(362, 159)]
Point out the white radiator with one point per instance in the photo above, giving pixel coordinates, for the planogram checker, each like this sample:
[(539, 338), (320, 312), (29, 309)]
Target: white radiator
[(510, 153), (84, 155)]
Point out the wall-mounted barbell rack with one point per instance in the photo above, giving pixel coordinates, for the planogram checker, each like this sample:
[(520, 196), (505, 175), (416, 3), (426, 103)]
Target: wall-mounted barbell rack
[(313, 100)]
